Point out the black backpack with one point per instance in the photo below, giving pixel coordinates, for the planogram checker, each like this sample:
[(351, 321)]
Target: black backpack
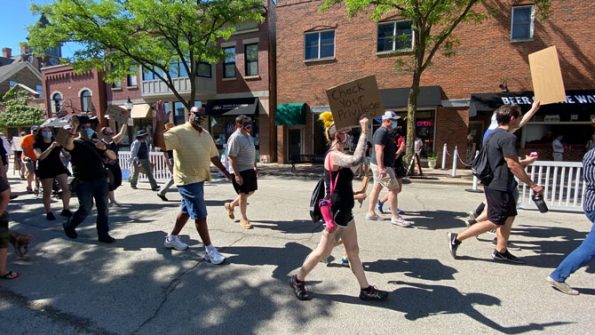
[(317, 195), (481, 166)]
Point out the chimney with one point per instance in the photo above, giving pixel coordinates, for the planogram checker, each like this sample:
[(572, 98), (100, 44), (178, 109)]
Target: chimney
[(6, 52)]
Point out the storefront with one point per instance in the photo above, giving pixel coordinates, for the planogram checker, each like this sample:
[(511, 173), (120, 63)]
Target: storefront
[(222, 114), (291, 118), (571, 119)]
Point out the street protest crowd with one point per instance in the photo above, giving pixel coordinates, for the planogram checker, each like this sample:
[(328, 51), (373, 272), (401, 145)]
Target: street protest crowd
[(190, 149)]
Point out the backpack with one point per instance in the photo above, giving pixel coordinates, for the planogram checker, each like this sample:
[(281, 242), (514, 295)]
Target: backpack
[(480, 167), (317, 195)]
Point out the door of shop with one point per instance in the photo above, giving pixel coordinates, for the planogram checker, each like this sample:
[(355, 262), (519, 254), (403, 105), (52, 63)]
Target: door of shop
[(295, 144)]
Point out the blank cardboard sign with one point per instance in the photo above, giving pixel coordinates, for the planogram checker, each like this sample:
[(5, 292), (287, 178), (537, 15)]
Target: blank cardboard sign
[(351, 100), (547, 76)]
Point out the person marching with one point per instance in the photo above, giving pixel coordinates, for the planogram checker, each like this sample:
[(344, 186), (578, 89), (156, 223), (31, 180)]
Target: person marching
[(28, 157), (50, 168), (337, 169), (242, 157), (111, 142), (139, 157), (169, 161)]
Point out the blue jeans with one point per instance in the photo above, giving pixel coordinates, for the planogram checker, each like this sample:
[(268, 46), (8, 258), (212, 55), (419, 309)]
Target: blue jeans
[(193, 200), (579, 257), (86, 191)]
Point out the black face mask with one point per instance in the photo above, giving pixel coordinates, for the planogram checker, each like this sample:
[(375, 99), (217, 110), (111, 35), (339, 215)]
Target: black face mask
[(196, 119)]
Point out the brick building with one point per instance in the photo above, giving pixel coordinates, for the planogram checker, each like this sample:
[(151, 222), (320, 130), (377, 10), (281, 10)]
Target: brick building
[(316, 51)]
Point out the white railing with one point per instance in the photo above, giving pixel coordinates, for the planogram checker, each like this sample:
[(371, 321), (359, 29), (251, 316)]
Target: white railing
[(562, 182), (160, 171)]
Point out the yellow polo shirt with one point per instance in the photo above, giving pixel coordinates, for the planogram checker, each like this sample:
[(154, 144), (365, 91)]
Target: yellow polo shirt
[(192, 153)]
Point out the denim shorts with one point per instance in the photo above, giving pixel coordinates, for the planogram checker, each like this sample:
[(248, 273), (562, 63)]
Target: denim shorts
[(193, 200)]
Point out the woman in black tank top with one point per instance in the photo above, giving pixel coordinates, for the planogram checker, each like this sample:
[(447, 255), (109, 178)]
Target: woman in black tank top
[(338, 166), (111, 142)]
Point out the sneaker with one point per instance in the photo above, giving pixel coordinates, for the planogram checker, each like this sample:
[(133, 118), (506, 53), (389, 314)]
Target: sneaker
[(506, 257), (156, 188), (213, 256), (30, 190), (344, 261), (50, 216), (372, 293), (245, 224), (373, 217), (470, 222), (229, 210), (379, 205), (471, 216), (453, 244), (399, 221), (106, 239), (561, 286), (66, 213), (400, 211), (70, 232), (162, 197), (299, 289), (173, 241)]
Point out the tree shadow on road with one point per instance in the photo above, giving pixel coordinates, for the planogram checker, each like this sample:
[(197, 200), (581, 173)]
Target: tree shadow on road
[(418, 301), (427, 269), (436, 220), (290, 226)]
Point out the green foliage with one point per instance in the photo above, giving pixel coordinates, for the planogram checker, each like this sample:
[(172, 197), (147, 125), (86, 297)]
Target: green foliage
[(118, 34), (17, 113)]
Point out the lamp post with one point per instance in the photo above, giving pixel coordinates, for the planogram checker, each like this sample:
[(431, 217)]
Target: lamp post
[(129, 106)]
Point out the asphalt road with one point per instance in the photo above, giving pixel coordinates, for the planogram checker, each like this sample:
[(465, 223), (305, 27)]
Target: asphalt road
[(136, 286)]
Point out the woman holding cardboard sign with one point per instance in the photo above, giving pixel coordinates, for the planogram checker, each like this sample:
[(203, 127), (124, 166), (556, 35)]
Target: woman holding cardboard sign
[(338, 176)]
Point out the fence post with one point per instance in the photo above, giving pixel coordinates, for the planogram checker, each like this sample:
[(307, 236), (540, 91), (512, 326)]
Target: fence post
[(475, 188), (454, 162), (444, 153)]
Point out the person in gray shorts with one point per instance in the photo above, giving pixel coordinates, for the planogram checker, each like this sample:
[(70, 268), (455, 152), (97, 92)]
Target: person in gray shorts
[(381, 162), (242, 158)]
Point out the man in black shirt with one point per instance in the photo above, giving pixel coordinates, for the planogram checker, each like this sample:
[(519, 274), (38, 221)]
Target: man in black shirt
[(504, 163), (87, 165)]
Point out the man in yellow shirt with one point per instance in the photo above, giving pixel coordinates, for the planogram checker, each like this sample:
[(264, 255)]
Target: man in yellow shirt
[(194, 150)]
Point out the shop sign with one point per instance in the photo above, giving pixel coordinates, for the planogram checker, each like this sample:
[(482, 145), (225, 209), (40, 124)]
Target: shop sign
[(570, 99), (351, 100), (425, 123)]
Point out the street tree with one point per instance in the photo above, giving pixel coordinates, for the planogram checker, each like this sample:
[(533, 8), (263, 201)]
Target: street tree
[(119, 35), (16, 110), (433, 23)]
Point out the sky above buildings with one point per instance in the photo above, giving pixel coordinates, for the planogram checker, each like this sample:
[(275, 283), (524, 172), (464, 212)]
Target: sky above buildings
[(15, 17)]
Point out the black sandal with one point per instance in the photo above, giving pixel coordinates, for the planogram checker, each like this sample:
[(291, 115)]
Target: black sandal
[(10, 275), (299, 289)]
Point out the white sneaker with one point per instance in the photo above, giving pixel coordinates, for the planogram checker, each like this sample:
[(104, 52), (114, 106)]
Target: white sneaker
[(173, 241), (214, 256), (399, 221)]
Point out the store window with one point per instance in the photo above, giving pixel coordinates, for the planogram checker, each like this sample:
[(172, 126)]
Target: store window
[(521, 26), (395, 36), (229, 66), (86, 101), (251, 54), (319, 45)]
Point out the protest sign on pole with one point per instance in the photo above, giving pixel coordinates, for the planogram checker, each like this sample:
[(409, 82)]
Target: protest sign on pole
[(548, 85), (351, 100)]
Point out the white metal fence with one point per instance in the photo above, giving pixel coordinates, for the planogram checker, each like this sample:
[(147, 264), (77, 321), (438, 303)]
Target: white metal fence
[(562, 182), (160, 171)]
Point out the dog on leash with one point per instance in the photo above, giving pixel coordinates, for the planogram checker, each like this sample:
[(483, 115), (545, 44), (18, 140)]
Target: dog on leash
[(20, 242)]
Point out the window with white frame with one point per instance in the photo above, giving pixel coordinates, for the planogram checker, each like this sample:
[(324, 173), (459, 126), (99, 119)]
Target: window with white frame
[(319, 45), (86, 101), (57, 102), (395, 36), (229, 66), (521, 23), (117, 85), (251, 56)]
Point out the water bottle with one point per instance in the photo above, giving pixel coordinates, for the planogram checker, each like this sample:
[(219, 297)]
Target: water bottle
[(540, 203)]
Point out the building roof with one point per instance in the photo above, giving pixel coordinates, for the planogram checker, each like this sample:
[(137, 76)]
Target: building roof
[(8, 70)]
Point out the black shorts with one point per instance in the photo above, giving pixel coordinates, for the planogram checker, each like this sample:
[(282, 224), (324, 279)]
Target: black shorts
[(501, 205), (343, 217), (250, 184)]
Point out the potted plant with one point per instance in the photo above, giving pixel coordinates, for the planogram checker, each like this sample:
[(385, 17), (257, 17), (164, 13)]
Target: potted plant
[(432, 158)]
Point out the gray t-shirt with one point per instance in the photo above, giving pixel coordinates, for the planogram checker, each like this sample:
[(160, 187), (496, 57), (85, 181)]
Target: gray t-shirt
[(382, 137), (500, 144), (242, 148)]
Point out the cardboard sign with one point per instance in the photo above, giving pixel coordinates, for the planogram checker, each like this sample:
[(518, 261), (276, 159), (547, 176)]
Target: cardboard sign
[(547, 76), (118, 114), (62, 136), (351, 100)]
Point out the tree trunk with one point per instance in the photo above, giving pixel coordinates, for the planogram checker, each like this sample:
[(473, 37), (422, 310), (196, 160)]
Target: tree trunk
[(411, 109)]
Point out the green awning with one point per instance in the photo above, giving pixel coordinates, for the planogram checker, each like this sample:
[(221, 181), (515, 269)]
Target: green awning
[(291, 114)]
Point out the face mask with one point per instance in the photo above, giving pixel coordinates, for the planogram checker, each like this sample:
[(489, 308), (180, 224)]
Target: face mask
[(394, 125), (196, 119), (89, 132), (46, 134)]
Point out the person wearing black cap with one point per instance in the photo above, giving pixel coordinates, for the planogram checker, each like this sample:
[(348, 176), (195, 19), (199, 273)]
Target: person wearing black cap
[(139, 157), (91, 177)]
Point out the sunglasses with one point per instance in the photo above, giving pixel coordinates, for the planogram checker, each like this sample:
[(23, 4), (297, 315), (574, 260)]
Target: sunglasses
[(247, 125)]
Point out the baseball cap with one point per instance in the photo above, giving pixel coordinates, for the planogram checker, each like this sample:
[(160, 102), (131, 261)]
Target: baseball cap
[(34, 128), (390, 115)]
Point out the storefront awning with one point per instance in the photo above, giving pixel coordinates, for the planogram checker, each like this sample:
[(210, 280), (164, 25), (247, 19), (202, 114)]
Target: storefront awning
[(140, 111), (291, 114), (231, 107), (429, 96), (578, 100)]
